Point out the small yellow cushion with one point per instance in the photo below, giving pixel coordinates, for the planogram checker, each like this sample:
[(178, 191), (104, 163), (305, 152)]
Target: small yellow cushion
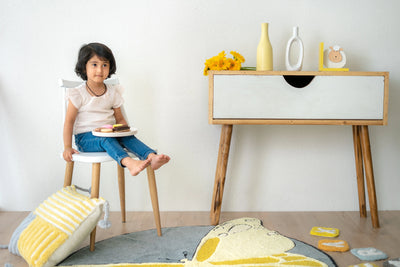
[(62, 222), (324, 231)]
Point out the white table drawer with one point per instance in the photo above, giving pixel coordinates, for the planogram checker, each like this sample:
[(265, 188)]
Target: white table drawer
[(348, 97)]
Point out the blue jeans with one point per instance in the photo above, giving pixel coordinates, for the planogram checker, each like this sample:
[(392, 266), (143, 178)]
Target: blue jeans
[(114, 146)]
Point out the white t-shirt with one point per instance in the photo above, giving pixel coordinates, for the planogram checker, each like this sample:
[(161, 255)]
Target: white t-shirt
[(94, 112)]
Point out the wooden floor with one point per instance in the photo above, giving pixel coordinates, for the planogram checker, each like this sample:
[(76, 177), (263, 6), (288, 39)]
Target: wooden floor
[(358, 232)]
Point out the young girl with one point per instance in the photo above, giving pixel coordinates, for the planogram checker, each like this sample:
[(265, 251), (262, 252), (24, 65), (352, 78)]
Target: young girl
[(94, 104)]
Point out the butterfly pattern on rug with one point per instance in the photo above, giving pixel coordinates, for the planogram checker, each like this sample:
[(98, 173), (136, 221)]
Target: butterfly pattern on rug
[(246, 241)]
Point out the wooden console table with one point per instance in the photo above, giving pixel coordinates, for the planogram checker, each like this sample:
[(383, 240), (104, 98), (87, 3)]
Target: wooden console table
[(358, 99)]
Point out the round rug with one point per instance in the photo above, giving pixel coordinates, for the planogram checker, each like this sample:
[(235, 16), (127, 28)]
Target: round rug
[(175, 244)]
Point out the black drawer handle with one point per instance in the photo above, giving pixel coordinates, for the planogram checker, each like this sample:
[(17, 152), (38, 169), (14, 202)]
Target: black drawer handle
[(298, 81)]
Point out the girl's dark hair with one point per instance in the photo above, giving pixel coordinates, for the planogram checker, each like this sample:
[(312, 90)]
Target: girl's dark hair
[(87, 52)]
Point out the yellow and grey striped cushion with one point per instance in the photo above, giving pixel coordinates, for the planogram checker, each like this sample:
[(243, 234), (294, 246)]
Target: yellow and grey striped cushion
[(57, 219)]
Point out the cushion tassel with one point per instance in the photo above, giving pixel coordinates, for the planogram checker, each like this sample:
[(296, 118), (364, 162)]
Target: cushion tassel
[(84, 189), (105, 223)]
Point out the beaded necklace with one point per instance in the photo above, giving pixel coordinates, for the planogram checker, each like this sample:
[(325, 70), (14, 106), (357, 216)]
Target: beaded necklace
[(105, 89)]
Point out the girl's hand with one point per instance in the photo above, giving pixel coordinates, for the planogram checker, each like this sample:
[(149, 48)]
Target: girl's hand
[(67, 154)]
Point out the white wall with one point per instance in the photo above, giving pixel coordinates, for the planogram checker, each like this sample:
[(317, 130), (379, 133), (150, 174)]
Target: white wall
[(160, 48)]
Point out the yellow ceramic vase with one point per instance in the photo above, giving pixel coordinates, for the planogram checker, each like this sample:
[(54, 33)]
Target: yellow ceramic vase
[(264, 50)]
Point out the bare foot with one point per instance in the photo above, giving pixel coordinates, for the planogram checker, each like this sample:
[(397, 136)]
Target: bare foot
[(135, 166), (158, 160)]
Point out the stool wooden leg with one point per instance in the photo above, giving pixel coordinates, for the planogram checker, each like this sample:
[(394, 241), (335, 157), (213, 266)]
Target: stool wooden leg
[(154, 198), (359, 169), (69, 169), (121, 186), (369, 175), (220, 174), (94, 194)]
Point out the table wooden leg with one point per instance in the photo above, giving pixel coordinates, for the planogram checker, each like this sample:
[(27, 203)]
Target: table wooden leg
[(220, 173), (369, 175), (359, 170)]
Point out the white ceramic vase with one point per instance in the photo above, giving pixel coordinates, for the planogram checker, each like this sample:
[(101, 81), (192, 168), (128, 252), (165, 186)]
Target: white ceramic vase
[(292, 40)]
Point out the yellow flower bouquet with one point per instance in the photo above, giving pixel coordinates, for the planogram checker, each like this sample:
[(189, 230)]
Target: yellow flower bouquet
[(221, 62)]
